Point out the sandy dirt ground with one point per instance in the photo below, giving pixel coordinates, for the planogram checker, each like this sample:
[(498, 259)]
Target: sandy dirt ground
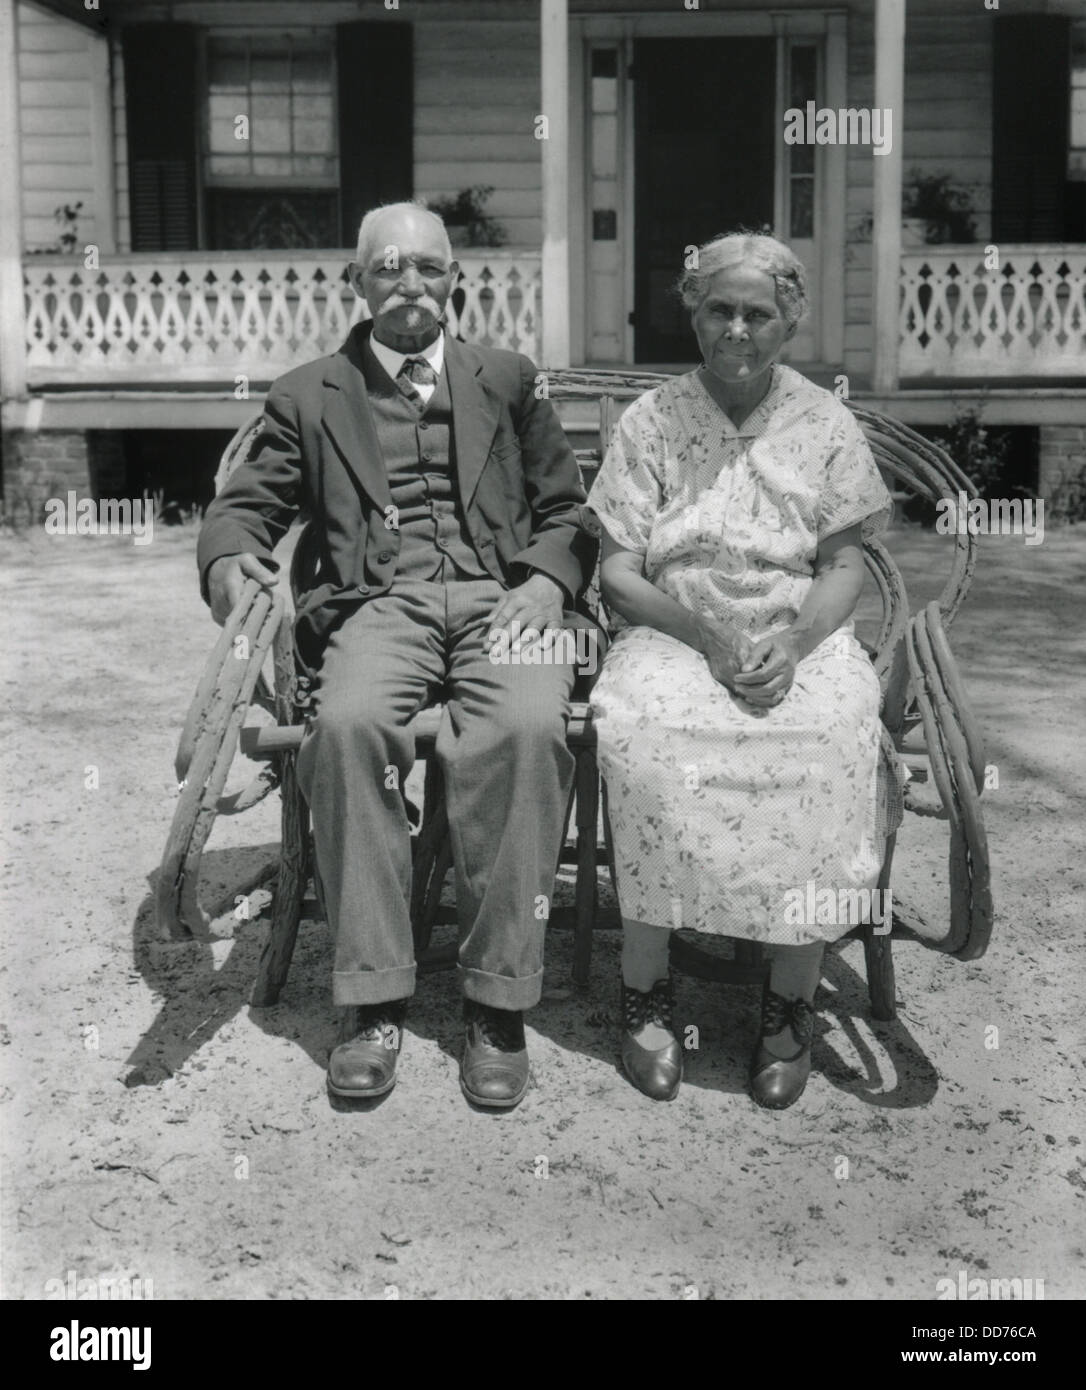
[(156, 1126)]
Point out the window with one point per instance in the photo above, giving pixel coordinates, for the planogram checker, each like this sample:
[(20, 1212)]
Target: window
[(270, 165), (802, 88), (283, 88), (1076, 155), (604, 143)]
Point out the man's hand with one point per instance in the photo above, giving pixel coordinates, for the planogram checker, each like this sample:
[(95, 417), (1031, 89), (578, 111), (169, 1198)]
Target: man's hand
[(537, 604), (768, 672), (226, 578), (725, 648)]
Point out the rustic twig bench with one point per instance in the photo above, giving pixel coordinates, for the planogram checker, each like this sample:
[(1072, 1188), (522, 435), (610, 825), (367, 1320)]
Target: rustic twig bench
[(924, 710)]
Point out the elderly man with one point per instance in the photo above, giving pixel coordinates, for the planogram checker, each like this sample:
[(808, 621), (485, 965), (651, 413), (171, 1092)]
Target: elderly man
[(448, 507)]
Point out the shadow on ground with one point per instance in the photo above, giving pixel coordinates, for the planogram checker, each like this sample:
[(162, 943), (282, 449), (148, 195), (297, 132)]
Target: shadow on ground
[(204, 984)]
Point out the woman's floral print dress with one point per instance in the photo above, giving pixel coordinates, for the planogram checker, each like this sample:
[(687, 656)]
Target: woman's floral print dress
[(726, 817)]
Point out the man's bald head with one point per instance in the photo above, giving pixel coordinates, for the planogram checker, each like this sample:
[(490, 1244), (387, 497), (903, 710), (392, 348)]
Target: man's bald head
[(405, 273), (387, 226)]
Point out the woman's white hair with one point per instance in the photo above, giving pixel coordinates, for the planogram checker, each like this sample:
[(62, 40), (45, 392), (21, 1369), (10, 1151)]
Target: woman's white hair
[(756, 249), (366, 237)]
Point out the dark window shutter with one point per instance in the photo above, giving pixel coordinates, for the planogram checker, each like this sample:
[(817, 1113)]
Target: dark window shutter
[(1031, 110), (162, 121), (376, 99)]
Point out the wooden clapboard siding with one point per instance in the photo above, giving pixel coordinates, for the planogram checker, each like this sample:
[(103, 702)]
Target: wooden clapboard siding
[(507, 176), (476, 100), (473, 148), (947, 129), (39, 34), (63, 179), (45, 120), (953, 117), (450, 120), (67, 65), (57, 68)]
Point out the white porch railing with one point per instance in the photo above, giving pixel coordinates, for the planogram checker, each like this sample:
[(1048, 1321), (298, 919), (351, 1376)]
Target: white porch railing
[(212, 316), (1027, 318)]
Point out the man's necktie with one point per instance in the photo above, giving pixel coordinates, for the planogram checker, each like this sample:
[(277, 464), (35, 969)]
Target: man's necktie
[(415, 371)]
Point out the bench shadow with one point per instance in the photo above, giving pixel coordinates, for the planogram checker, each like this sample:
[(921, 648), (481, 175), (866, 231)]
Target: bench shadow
[(915, 1079), (205, 983), (888, 1069)]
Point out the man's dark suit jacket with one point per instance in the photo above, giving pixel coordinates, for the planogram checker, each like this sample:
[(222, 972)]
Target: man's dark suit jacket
[(317, 452)]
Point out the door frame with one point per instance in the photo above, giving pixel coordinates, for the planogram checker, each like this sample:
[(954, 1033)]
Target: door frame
[(829, 28)]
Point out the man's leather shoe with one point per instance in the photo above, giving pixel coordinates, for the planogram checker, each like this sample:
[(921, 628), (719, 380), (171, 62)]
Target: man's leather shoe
[(364, 1064), (777, 1082), (656, 1072), (494, 1069)]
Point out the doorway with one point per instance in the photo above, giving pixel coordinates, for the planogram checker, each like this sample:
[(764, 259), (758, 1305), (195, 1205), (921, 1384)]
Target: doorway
[(705, 151)]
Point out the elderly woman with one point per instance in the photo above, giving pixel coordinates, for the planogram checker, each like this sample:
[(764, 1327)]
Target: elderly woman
[(738, 716)]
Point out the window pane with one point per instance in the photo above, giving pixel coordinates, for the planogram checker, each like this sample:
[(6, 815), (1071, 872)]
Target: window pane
[(222, 138), (313, 107), (802, 88), (222, 166), (313, 137), (224, 107), (1078, 109), (804, 71), (271, 108), (802, 217), (604, 94), (314, 166), (604, 147), (227, 70), (272, 165), (271, 136), (271, 74), (312, 71)]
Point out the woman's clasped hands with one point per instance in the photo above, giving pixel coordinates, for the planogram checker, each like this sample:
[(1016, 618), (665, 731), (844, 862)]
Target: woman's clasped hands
[(761, 673)]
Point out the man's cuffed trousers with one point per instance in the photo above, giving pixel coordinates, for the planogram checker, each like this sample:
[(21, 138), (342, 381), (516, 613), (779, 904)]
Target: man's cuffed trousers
[(502, 748)]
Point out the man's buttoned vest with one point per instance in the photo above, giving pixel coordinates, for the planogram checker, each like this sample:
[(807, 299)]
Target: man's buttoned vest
[(419, 454)]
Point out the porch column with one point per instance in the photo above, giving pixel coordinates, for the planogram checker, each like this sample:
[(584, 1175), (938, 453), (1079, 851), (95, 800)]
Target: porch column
[(554, 94), (12, 312), (886, 228), (105, 198)]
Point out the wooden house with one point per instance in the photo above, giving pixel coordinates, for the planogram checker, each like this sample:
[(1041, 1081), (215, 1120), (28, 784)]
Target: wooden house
[(215, 157)]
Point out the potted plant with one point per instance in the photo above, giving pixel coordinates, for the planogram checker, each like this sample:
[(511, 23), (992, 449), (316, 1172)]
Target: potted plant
[(66, 216), (466, 219), (933, 210)]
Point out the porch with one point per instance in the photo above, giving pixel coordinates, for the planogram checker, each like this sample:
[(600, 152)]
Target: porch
[(107, 337), (221, 325), (217, 318)]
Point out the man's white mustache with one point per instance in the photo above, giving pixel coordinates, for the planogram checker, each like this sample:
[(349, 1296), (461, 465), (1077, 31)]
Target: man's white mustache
[(431, 306)]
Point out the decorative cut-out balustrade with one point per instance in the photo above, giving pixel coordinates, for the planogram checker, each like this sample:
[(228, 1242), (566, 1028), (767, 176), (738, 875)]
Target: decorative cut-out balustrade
[(210, 317), (1022, 317), (214, 316)]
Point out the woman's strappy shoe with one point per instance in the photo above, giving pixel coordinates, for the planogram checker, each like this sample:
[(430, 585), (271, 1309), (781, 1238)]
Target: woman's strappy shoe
[(776, 1082), (656, 1072)]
